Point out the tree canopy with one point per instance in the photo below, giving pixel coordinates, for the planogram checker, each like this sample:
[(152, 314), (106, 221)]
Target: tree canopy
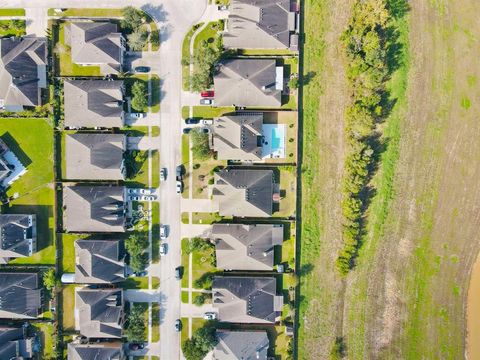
[(139, 96), (135, 330), (203, 340)]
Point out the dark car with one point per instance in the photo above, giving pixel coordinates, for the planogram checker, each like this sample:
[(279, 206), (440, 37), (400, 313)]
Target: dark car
[(135, 346), (186, 130), (178, 272), (192, 121), (142, 69), (179, 172), (178, 325), (205, 130)]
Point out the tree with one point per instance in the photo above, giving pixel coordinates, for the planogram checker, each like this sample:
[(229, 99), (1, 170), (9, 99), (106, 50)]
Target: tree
[(155, 38), (139, 96), (293, 83), (200, 144), (199, 300), (135, 246), (49, 279), (132, 18), (202, 341), (198, 244), (136, 324), (137, 39)]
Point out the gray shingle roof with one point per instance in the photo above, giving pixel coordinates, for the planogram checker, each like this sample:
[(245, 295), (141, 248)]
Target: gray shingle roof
[(93, 103), (238, 136), (94, 208), (14, 345), (94, 156), (247, 82), (246, 299), (99, 312), (22, 71), (98, 351), (99, 261), (18, 235), (244, 192), (20, 295), (246, 247), (96, 43), (241, 345), (259, 24)]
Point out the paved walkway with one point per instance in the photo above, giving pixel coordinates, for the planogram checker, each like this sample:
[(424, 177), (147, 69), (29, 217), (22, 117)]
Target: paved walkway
[(199, 205), (194, 311), (141, 143), (194, 230)]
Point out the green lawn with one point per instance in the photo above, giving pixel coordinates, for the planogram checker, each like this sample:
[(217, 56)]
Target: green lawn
[(184, 216), (288, 248), (184, 297), (186, 56), (35, 188), (186, 164), (155, 232), (107, 13), (208, 34), (185, 263), (155, 169), (12, 28), (210, 112), (46, 333), (288, 188), (201, 264), (268, 52), (155, 105), (155, 329), (155, 282), (129, 81), (205, 218), (68, 250), (135, 283), (68, 307), (202, 175), (12, 12), (63, 51)]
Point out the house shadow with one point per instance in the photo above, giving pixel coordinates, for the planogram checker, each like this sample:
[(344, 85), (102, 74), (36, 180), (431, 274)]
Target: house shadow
[(16, 149)]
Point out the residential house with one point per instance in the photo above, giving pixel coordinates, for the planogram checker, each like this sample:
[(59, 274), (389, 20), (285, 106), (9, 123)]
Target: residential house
[(18, 236), (96, 43), (94, 208), (241, 345), (23, 72), (96, 351), (94, 103), (238, 136), (246, 247), (99, 261), (20, 294), (95, 156), (10, 166), (249, 82), (246, 299), (245, 192), (14, 343), (261, 24), (99, 312)]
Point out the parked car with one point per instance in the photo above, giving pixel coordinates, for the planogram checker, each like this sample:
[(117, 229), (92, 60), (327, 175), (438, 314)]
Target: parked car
[(205, 130), (141, 273), (133, 191), (136, 346), (163, 249), (163, 232), (192, 121), (148, 197), (163, 174), (210, 316), (207, 93), (178, 273), (206, 121), (179, 172), (178, 325), (222, 7), (179, 187), (142, 69), (206, 101), (147, 191), (186, 130), (135, 198), (138, 115)]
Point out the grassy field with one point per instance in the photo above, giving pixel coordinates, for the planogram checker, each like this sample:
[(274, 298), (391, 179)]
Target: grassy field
[(68, 251), (46, 334), (68, 307), (35, 188), (135, 283), (201, 264), (155, 105), (12, 12)]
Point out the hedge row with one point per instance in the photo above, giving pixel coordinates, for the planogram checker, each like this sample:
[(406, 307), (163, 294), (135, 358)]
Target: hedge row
[(365, 41)]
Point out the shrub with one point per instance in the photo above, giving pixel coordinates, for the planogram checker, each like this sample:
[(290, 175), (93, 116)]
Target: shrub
[(135, 330), (203, 340), (211, 181), (135, 245), (133, 18), (50, 279), (293, 83), (196, 166), (155, 38), (139, 96), (137, 40), (199, 300), (200, 145)]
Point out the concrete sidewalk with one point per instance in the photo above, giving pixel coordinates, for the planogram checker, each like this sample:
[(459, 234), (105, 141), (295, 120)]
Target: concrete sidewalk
[(199, 205)]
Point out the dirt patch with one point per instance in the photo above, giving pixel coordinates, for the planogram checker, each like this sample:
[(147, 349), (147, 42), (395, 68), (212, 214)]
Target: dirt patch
[(473, 313)]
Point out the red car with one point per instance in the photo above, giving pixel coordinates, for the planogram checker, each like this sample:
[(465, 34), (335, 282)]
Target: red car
[(208, 93)]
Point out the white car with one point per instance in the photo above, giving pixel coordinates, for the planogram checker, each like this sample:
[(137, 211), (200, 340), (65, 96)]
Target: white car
[(179, 187), (206, 121), (138, 115), (148, 197), (163, 249), (163, 174), (147, 191), (163, 232), (133, 191), (206, 102), (210, 316)]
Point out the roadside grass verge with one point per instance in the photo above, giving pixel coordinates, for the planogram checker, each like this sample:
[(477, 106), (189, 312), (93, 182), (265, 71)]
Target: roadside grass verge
[(80, 12), (12, 12), (155, 329)]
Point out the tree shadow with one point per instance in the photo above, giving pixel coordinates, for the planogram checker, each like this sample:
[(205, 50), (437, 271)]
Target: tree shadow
[(156, 12), (398, 8), (308, 77)]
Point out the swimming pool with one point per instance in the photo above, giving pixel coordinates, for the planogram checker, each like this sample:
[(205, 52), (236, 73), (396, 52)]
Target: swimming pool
[(273, 141)]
